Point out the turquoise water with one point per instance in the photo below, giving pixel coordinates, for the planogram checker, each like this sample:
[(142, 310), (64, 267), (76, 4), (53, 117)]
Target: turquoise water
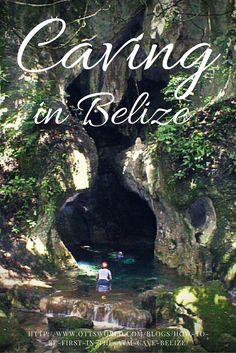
[(135, 272)]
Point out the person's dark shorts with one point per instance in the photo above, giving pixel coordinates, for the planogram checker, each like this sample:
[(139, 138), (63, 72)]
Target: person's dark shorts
[(103, 282)]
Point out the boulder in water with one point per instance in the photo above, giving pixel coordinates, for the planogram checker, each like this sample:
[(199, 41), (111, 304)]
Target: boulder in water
[(68, 323), (160, 303), (130, 317)]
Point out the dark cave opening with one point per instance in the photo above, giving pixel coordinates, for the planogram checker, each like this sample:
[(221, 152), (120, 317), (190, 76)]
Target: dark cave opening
[(107, 215), (198, 215), (198, 237)]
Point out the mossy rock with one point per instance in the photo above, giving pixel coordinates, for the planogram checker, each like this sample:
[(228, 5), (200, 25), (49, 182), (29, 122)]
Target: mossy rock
[(13, 338), (68, 323), (29, 297), (160, 303), (165, 308), (209, 303)]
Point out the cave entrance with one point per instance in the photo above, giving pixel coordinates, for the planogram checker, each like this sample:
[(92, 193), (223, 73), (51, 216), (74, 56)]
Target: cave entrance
[(107, 216)]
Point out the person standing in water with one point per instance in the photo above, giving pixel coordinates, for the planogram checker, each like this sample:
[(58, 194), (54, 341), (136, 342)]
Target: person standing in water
[(104, 275)]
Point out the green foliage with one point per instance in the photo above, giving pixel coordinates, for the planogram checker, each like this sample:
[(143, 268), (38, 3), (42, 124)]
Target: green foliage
[(18, 197), (205, 142), (49, 190), (18, 108), (19, 187), (19, 130), (210, 303), (36, 95), (13, 338), (202, 145), (20, 152)]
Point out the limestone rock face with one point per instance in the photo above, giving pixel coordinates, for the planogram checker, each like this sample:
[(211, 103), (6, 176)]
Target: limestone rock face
[(172, 246), (186, 25), (169, 23), (65, 162), (195, 228), (75, 163), (138, 170)]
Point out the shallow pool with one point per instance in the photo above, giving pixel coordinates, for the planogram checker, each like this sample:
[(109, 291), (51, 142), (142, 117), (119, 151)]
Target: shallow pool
[(137, 271)]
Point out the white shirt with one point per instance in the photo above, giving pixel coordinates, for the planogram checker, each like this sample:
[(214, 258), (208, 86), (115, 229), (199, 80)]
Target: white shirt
[(104, 273)]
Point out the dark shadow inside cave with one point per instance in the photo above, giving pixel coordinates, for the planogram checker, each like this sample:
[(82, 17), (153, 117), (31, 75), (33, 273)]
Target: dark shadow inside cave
[(198, 214), (107, 215), (198, 237)]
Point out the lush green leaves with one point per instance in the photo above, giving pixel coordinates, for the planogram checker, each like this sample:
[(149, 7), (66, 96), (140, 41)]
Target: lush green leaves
[(206, 142)]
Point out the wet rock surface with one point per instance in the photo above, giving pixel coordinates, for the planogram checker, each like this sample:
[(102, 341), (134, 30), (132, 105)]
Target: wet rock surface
[(123, 314), (68, 323)]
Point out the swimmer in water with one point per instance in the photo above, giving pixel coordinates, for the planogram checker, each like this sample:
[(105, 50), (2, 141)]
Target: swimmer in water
[(120, 255)]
